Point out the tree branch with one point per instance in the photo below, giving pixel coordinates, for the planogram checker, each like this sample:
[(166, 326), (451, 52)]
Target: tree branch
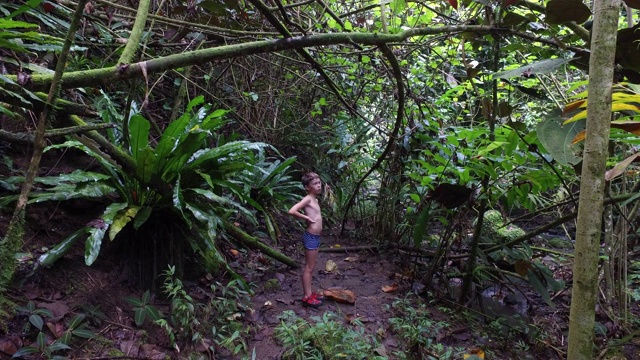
[(397, 73), (136, 33), (28, 138), (96, 77)]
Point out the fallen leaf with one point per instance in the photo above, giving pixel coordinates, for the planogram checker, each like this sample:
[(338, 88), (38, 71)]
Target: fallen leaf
[(381, 350), (8, 347), (235, 316), (351, 259), (350, 318), (57, 329), (475, 353), (330, 266), (390, 288), (341, 296), (234, 252), (335, 246)]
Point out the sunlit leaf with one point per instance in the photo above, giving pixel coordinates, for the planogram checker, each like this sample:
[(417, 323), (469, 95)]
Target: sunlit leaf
[(620, 167), (121, 220), (540, 67)]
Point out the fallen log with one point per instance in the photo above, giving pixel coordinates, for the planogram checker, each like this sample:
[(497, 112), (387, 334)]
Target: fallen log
[(253, 242)]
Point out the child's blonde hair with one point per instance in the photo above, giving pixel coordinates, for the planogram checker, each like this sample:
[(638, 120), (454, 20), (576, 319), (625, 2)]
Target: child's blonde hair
[(309, 177)]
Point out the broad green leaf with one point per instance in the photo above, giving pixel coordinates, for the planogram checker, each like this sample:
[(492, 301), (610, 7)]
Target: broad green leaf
[(13, 24), (142, 216), (113, 169), (36, 320), (96, 234), (540, 67), (182, 153), (146, 165), (146, 296), (134, 301), (562, 11), (47, 259), (138, 316), (76, 321), (169, 140), (84, 333), (59, 346), (557, 139), (540, 288), (420, 227), (138, 135), (66, 337), (93, 244), (491, 147), (29, 5), (22, 352), (121, 220), (227, 149), (41, 340), (221, 200), (152, 312)]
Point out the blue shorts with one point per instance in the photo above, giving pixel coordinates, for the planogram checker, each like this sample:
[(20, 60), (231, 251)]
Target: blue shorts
[(311, 241)]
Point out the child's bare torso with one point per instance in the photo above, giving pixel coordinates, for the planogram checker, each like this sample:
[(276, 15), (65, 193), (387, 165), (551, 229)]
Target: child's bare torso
[(313, 212)]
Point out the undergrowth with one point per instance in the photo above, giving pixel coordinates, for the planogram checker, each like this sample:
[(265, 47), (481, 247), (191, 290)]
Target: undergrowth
[(214, 325), (418, 333), (325, 337)]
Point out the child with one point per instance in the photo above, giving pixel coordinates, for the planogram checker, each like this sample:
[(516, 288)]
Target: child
[(311, 237)]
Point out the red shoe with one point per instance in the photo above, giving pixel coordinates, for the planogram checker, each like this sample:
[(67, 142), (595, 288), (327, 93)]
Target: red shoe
[(317, 296), (311, 302)]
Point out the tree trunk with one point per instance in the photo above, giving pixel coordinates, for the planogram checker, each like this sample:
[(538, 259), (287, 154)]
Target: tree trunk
[(585, 268), (14, 236)]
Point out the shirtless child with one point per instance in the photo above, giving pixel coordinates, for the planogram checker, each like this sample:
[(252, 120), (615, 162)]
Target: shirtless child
[(311, 237)]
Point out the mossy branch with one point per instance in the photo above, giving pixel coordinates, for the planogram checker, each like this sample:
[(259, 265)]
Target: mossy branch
[(133, 42), (29, 138), (254, 243)]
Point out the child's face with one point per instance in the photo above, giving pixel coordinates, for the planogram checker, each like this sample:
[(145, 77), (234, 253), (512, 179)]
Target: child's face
[(315, 186)]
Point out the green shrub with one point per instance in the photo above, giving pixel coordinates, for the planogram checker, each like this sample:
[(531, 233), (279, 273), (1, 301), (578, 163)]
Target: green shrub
[(324, 338)]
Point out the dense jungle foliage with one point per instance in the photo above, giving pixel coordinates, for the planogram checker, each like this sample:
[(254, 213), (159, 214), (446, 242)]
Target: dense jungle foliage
[(436, 127)]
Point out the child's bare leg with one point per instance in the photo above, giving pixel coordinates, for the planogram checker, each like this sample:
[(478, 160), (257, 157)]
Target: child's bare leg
[(310, 257)]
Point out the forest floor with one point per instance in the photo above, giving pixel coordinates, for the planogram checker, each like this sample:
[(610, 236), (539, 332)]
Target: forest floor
[(516, 324), (70, 288)]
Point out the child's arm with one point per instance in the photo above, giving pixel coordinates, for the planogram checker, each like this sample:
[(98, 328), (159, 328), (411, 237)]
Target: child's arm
[(295, 210)]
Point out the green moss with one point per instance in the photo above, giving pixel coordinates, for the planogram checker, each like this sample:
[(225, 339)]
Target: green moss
[(493, 229), (115, 353), (272, 285), (560, 243)]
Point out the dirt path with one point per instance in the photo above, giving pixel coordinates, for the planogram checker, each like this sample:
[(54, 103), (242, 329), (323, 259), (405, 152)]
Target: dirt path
[(365, 277)]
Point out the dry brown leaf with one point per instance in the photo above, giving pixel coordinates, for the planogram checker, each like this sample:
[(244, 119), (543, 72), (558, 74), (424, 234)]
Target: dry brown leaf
[(340, 295), (330, 266), (390, 288), (474, 353), (57, 329)]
